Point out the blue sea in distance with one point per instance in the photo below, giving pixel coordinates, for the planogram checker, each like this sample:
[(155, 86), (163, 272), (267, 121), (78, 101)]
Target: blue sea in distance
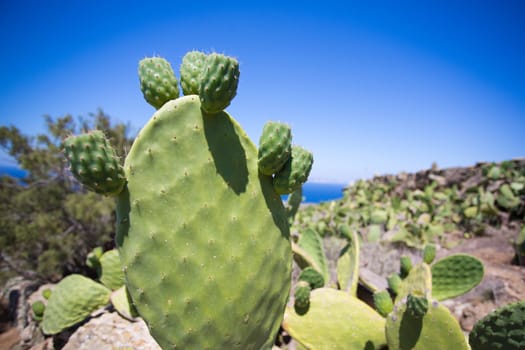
[(313, 192)]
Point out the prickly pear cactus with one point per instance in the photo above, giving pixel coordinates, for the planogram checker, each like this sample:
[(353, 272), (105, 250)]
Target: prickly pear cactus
[(202, 234), (418, 282), (111, 275), (190, 71), (348, 263), (294, 172), (502, 329), (312, 244), (72, 300), (38, 308), (383, 303), (121, 301), (455, 275), (275, 146), (436, 330), (94, 162), (218, 82), (157, 81), (336, 320)]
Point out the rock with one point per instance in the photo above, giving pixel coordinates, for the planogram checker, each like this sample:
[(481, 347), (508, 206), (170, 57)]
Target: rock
[(16, 293), (109, 332)]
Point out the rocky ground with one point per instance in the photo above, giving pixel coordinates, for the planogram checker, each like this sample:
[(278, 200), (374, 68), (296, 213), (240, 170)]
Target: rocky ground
[(493, 243)]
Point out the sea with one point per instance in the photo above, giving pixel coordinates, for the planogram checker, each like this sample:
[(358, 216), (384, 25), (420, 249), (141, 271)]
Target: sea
[(313, 192)]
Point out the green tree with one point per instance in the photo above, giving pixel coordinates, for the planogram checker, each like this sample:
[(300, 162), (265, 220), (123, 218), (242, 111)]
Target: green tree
[(48, 221)]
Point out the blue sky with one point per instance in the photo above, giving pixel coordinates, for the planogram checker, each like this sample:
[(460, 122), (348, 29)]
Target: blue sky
[(370, 87)]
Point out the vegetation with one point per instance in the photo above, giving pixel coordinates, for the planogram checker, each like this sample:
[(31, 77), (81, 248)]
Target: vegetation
[(48, 221)]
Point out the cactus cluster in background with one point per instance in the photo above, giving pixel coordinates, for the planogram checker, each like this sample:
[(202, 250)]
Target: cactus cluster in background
[(426, 210), (408, 315), (202, 233)]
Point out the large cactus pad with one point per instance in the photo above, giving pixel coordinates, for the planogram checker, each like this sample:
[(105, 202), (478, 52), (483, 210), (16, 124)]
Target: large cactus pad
[(502, 329), (203, 237), (455, 275), (336, 320)]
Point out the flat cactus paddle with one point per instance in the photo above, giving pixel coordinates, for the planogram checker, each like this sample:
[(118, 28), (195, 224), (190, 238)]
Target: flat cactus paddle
[(111, 275), (504, 328), (203, 237), (336, 320), (455, 275), (72, 300)]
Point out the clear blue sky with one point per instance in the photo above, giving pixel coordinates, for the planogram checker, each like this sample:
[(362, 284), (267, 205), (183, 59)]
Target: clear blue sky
[(371, 87)]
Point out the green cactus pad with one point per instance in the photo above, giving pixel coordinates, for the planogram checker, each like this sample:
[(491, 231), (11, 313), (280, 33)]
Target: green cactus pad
[(436, 330), (418, 282), (275, 146), (336, 320), (111, 275), (190, 72), (218, 82), (295, 171), (429, 253), (378, 217), (312, 244), (292, 205), (313, 277), (405, 264), (46, 293), (383, 302), (394, 283), (417, 305), (94, 162), (455, 275), (506, 198), (203, 238), (504, 328), (302, 297), (93, 259), (121, 301), (348, 263), (157, 81), (73, 299), (38, 308)]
